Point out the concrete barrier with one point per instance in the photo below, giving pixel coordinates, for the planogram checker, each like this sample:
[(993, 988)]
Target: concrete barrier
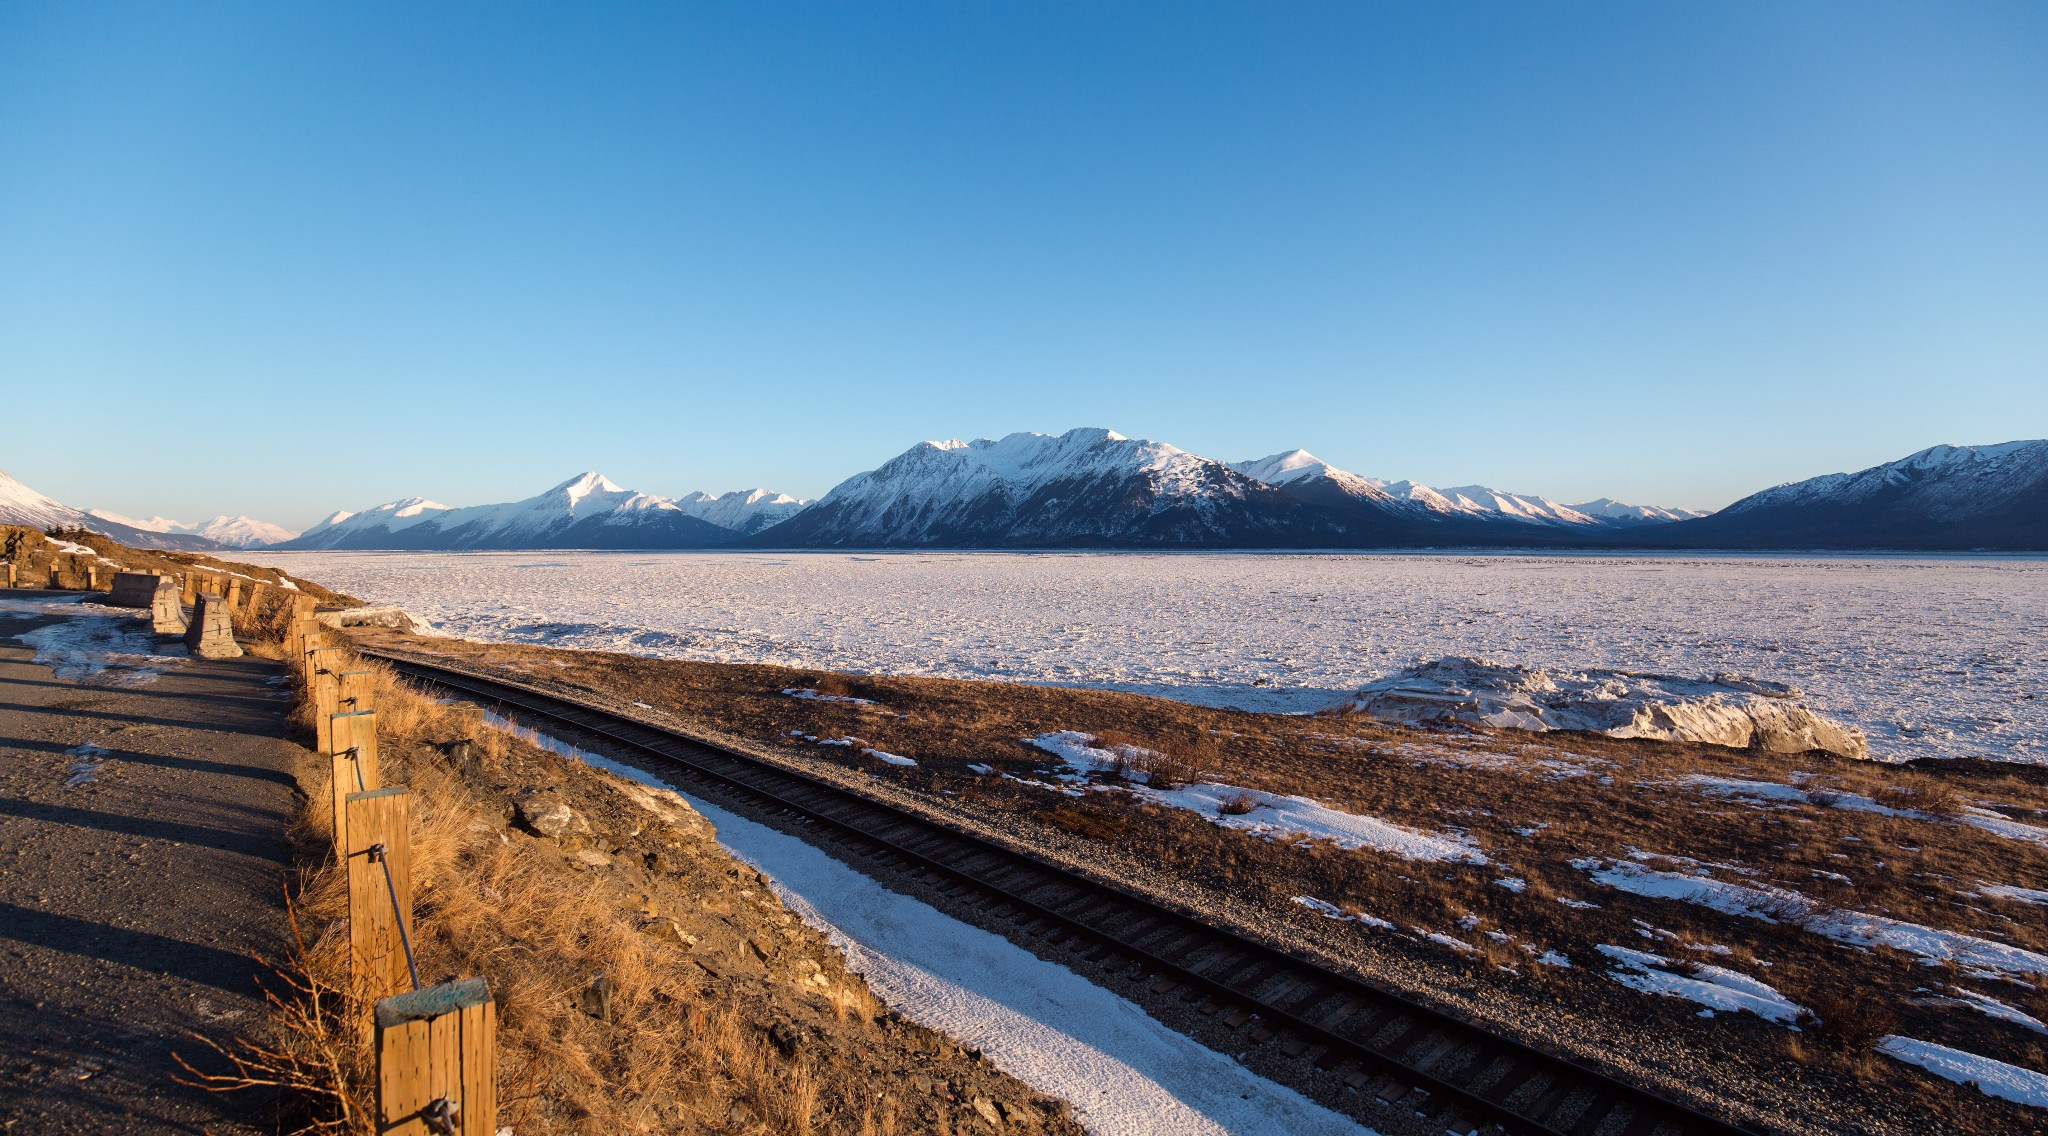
[(134, 589), (166, 614), (211, 635)]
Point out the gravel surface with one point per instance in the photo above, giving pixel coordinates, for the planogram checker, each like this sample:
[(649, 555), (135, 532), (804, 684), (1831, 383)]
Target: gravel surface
[(135, 884)]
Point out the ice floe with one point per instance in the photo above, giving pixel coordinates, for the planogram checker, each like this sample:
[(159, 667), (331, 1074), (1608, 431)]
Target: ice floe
[(1725, 710)]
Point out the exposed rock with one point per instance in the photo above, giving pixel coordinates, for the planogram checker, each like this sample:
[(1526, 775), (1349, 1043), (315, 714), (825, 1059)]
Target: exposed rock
[(1726, 710), (549, 816), (392, 618)]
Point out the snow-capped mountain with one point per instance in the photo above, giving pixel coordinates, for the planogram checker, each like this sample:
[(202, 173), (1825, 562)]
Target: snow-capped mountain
[(587, 511), (1313, 479), (744, 511), (232, 532), (1084, 488), (20, 505), (1943, 497), (1619, 513)]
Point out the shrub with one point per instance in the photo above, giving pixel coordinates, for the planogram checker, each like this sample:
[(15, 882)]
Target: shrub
[(1239, 803)]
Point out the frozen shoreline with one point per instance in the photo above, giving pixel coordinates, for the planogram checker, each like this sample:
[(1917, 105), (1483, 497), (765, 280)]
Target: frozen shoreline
[(1928, 656)]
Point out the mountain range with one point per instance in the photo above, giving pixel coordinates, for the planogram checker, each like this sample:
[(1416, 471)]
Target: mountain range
[(1094, 488), (20, 505), (225, 531)]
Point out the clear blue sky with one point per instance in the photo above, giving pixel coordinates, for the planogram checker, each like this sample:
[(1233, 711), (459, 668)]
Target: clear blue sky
[(283, 258)]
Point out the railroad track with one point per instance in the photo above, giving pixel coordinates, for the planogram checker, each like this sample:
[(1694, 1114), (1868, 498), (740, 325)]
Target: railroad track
[(1454, 1072)]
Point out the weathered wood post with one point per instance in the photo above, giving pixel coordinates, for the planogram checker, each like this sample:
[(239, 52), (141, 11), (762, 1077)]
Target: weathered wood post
[(357, 687), (10, 573), (325, 688), (437, 1061), (56, 574), (380, 891), (188, 587), (353, 764)]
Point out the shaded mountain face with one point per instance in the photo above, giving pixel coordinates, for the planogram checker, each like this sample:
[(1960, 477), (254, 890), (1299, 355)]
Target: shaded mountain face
[(1944, 498), (20, 505), (1086, 488), (587, 511)]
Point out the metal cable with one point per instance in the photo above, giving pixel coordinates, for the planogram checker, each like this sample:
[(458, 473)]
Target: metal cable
[(404, 938)]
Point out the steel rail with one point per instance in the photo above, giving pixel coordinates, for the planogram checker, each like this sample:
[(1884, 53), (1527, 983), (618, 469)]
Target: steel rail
[(1648, 1112)]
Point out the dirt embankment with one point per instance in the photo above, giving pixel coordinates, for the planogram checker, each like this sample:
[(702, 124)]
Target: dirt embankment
[(1936, 848), (646, 981)]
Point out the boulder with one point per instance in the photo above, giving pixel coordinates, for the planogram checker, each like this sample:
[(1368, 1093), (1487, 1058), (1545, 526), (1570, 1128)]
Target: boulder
[(1726, 710), (550, 817)]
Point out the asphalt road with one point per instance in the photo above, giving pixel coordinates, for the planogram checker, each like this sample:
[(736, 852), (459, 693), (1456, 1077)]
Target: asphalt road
[(134, 888)]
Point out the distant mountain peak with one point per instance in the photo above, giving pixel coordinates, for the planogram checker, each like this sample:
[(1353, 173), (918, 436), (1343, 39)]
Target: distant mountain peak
[(583, 485), (586, 511)]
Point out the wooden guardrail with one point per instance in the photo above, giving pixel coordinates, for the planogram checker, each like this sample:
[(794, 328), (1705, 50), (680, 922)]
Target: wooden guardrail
[(436, 1046)]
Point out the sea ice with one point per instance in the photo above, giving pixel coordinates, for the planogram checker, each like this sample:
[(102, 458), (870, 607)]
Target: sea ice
[(1928, 657)]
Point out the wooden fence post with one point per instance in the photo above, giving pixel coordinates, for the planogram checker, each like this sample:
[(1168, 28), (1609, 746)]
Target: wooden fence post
[(188, 587), (356, 689), (379, 890), (325, 688), (10, 573), (353, 763), (434, 1045)]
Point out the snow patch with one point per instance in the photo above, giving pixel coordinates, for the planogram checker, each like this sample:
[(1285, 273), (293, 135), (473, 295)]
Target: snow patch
[(1274, 815), (1990, 1077), (1774, 904), (1714, 987)]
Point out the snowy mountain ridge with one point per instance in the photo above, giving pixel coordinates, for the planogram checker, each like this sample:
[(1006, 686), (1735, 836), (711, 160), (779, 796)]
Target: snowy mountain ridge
[(1948, 480), (1088, 487), (20, 505), (586, 511), (233, 532), (1947, 498), (1303, 472)]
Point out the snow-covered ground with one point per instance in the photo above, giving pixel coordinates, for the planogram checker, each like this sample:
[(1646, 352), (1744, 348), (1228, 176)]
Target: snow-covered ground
[(93, 643), (1124, 1072), (1928, 657)]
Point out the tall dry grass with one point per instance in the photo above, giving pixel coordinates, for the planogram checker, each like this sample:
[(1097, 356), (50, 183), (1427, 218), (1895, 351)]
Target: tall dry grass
[(664, 1057)]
